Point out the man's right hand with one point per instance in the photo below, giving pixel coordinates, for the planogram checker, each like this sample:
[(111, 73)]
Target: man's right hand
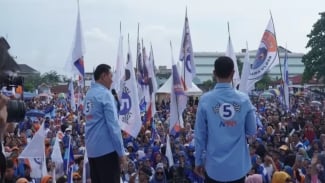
[(199, 170), (123, 163)]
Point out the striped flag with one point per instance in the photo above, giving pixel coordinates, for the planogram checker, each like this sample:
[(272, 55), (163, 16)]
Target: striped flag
[(75, 63), (129, 114), (187, 57), (267, 55)]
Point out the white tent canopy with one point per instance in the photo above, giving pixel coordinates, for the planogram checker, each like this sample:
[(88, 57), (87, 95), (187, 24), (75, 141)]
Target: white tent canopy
[(166, 89)]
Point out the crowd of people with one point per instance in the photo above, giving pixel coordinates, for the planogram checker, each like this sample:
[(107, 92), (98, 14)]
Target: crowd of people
[(288, 146)]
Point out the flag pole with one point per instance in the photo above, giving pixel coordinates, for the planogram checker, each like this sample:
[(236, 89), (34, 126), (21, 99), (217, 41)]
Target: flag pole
[(184, 50)]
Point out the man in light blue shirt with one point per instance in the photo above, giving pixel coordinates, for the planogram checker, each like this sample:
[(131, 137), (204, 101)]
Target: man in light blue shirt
[(104, 142), (224, 118)]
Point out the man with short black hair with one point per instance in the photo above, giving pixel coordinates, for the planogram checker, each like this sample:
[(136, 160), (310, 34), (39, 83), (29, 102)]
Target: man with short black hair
[(103, 134), (224, 118)]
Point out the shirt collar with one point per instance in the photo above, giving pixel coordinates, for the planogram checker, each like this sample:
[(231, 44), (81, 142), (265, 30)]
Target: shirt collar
[(223, 85), (96, 84)]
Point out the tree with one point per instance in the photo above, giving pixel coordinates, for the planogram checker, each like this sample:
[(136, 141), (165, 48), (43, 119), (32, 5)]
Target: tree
[(31, 82), (314, 60), (264, 83), (50, 77)]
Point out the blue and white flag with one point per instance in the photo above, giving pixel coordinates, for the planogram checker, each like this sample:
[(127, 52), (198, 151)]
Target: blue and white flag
[(187, 57), (178, 99), (75, 63), (129, 114), (35, 153)]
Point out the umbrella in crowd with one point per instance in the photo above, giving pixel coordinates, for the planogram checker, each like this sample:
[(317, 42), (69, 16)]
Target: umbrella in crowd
[(275, 92), (267, 94), (35, 113)]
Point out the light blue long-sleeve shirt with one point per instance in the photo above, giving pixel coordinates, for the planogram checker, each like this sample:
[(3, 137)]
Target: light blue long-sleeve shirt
[(224, 117), (103, 133)]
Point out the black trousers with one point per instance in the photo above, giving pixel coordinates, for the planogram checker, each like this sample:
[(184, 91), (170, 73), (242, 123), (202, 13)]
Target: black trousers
[(209, 180), (105, 168)]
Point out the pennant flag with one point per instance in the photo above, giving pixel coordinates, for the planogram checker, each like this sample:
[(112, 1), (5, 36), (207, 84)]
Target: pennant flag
[(245, 72), (129, 114), (75, 62), (231, 53), (118, 73), (84, 177), (56, 157), (266, 57), (71, 96), (187, 57), (35, 153), (178, 99), (169, 153), (286, 81)]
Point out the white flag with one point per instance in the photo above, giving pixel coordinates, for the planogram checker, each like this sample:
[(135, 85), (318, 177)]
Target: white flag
[(187, 57), (169, 153), (35, 153), (118, 73), (245, 73), (231, 53), (266, 57), (71, 96), (75, 62), (178, 99), (129, 114), (56, 157)]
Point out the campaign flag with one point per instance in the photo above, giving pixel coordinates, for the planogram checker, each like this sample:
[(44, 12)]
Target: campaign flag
[(267, 55), (71, 96), (286, 81), (118, 73), (169, 153), (129, 114), (152, 87), (35, 153), (145, 85), (187, 57), (75, 63), (245, 72), (231, 53), (178, 99), (68, 158), (56, 157)]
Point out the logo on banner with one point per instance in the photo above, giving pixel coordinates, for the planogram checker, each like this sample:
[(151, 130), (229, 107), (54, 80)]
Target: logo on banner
[(126, 105), (265, 56)]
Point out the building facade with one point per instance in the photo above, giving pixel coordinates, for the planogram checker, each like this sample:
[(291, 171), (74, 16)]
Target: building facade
[(204, 62)]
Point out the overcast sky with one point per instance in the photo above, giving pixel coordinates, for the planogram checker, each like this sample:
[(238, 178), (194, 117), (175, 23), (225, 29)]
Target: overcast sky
[(41, 32)]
